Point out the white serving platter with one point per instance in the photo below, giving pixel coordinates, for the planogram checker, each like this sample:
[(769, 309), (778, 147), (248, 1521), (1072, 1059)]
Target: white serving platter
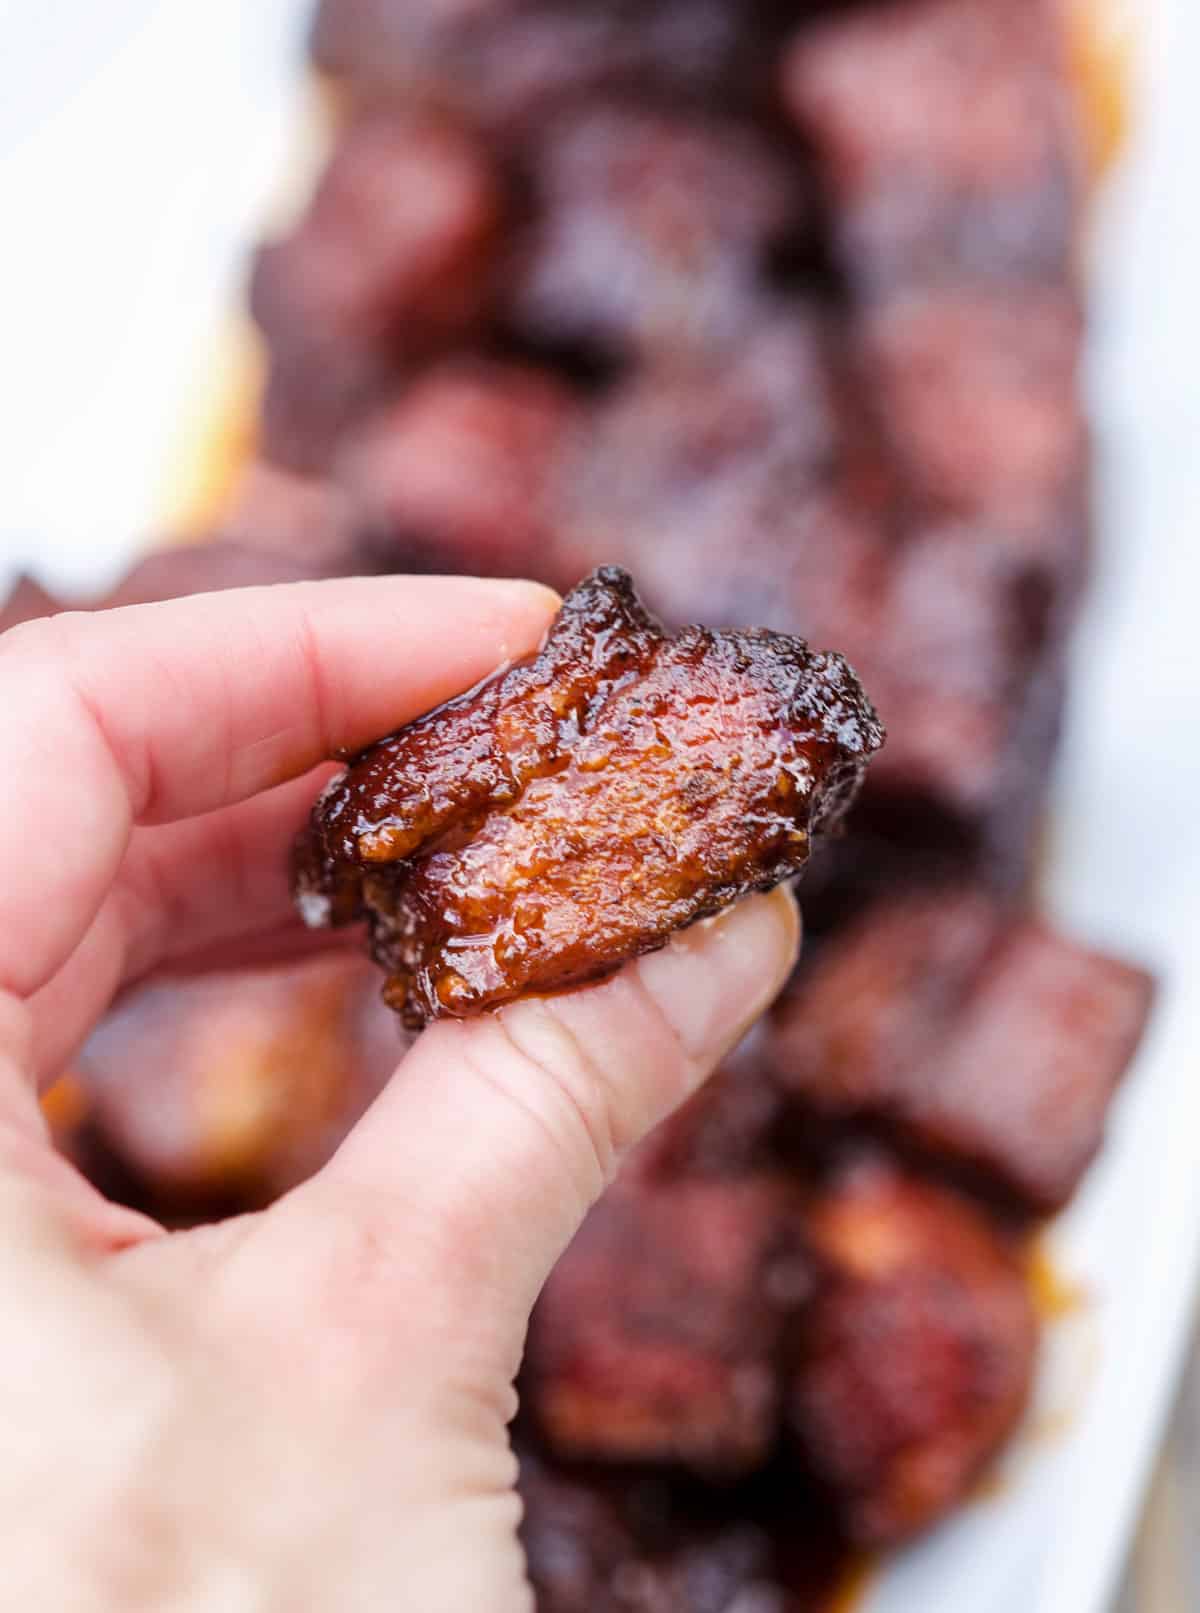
[(139, 142)]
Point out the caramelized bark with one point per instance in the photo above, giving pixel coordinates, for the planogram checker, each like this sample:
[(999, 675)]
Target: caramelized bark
[(915, 1359), (575, 811), (960, 643), (983, 1040), (657, 1336)]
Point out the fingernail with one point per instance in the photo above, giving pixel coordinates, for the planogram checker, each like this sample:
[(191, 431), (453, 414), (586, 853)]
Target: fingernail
[(714, 980)]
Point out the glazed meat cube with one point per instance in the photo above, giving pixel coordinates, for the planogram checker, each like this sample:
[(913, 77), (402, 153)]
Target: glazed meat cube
[(656, 1338), (221, 1088), (575, 811), (876, 1003), (984, 1040), (26, 602), (1023, 1085), (945, 139), (392, 258), (960, 648), (977, 400), (915, 1359), (507, 63), (735, 486), (452, 477), (650, 233), (636, 1543)]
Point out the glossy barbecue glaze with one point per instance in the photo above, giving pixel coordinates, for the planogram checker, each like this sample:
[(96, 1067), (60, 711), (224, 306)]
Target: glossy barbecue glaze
[(577, 809)]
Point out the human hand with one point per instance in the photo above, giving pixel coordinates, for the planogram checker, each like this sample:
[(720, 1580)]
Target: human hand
[(304, 1408)]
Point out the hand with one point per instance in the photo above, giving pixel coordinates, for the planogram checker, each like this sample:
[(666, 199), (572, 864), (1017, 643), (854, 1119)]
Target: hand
[(304, 1409)]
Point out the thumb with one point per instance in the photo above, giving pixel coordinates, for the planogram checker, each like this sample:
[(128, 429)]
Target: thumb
[(497, 1134)]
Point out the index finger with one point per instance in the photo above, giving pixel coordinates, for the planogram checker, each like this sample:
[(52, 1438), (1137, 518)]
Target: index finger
[(158, 712)]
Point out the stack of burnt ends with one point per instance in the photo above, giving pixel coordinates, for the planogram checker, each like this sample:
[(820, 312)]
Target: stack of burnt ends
[(775, 304)]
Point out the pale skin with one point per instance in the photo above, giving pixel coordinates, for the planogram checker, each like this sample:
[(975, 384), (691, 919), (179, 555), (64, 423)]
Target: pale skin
[(304, 1409)]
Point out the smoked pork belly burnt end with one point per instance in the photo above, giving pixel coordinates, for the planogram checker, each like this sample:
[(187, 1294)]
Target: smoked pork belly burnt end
[(973, 1035), (636, 1541), (651, 231), (392, 259), (507, 64), (945, 139), (737, 486), (576, 810), (657, 1337), (451, 476), (915, 1358), (227, 1088)]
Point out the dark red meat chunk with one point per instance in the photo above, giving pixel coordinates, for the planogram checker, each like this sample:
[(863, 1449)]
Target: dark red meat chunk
[(650, 232), (507, 63), (392, 258), (631, 1542), (982, 1039), (945, 139), (734, 486), (915, 1359), (222, 1088), (452, 477), (657, 1336), (976, 398)]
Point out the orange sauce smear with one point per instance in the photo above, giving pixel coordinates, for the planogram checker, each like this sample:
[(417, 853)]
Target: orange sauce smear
[(1100, 38)]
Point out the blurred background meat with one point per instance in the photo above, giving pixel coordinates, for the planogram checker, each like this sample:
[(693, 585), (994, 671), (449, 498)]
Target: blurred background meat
[(916, 1357), (222, 1091), (658, 1337)]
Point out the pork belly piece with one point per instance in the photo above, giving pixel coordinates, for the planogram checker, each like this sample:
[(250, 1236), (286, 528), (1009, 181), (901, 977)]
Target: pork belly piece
[(27, 601), (945, 139), (392, 259), (657, 1336), (508, 63), (736, 487), (650, 232), (748, 492), (916, 1355), (452, 477), (635, 1542), (961, 648), (224, 1088), (980, 1038), (977, 402), (1024, 1084), (575, 811)]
